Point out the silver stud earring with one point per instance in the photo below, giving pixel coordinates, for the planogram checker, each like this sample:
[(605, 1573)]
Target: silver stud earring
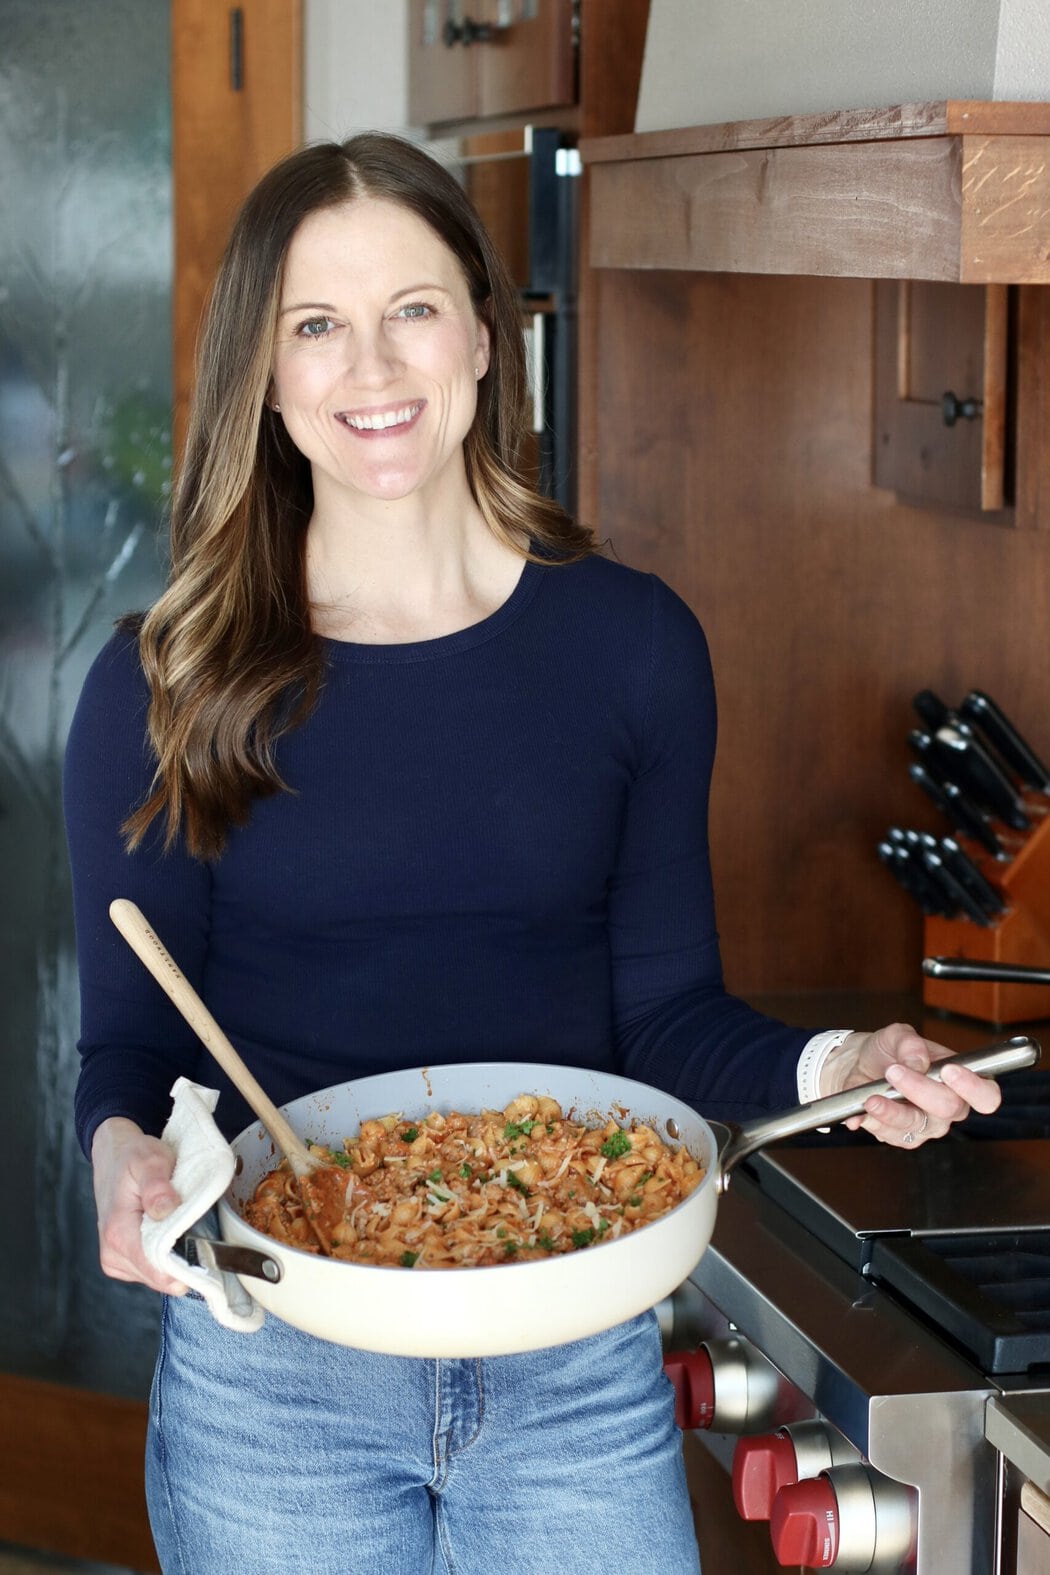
[(277, 408)]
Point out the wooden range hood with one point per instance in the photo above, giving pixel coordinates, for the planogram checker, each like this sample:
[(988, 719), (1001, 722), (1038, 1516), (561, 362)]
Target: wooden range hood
[(955, 191)]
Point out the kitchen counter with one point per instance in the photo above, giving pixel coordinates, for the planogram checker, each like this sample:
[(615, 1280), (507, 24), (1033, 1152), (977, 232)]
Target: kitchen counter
[(871, 1009), (1019, 1427)]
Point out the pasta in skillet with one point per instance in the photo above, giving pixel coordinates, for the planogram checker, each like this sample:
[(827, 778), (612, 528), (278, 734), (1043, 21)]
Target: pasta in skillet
[(454, 1191)]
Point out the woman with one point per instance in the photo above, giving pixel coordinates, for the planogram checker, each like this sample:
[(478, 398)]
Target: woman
[(403, 772)]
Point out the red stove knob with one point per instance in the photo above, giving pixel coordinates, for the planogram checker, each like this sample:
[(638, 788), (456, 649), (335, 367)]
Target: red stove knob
[(804, 1525), (725, 1385), (762, 1465), (850, 1518), (765, 1463), (692, 1374)]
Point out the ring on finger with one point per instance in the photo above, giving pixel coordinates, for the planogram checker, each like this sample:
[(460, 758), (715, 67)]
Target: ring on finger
[(917, 1132)]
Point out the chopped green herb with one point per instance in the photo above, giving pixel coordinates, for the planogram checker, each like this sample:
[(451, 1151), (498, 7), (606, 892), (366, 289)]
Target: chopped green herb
[(435, 1175), (410, 1135), (510, 1248), (545, 1241), (408, 1259), (635, 1202), (515, 1129), (583, 1238), (514, 1180), (464, 1171), (339, 1158), (617, 1145), (646, 1176), (603, 1226), (550, 1126), (502, 1231)]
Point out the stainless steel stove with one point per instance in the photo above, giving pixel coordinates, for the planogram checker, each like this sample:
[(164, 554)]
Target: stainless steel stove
[(866, 1345)]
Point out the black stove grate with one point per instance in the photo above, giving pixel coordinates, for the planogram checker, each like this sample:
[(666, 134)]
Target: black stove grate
[(989, 1293), (1024, 1112)]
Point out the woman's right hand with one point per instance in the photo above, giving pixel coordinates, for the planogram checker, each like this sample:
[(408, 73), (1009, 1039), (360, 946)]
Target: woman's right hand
[(132, 1176)]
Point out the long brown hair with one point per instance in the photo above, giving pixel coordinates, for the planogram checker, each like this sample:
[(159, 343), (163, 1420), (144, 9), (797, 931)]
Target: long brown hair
[(228, 650)]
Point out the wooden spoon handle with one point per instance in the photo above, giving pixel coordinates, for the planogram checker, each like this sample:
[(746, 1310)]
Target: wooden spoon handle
[(132, 924)]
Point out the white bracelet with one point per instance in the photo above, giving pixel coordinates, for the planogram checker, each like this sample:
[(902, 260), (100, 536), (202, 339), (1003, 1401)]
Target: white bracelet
[(811, 1062)]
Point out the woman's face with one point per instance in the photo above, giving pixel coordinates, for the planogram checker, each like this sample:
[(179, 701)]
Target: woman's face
[(378, 353)]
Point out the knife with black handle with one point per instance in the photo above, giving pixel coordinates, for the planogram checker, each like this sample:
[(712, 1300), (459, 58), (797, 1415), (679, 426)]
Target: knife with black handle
[(932, 709), (914, 846), (952, 801), (915, 882), (936, 714), (930, 786), (1001, 733), (920, 743), (911, 874), (966, 872), (955, 892), (967, 818), (888, 855), (963, 760)]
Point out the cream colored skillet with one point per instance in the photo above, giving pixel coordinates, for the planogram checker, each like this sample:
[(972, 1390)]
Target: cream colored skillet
[(516, 1306), (513, 1307)]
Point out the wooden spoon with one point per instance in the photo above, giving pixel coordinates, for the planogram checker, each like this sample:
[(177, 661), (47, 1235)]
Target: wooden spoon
[(317, 1200)]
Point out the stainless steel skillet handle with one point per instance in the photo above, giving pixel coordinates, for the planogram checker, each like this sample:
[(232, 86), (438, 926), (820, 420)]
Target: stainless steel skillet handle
[(1007, 1055)]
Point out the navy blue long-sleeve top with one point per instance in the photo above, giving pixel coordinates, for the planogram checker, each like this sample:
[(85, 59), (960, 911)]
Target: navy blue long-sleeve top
[(494, 848)]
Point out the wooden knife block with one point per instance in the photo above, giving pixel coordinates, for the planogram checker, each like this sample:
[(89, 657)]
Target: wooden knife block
[(1021, 934)]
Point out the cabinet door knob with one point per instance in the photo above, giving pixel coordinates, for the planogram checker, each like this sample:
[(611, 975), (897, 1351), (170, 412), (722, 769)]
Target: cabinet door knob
[(467, 32), (954, 408)]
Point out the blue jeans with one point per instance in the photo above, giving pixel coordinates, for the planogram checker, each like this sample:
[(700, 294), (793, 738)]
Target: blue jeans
[(279, 1454)]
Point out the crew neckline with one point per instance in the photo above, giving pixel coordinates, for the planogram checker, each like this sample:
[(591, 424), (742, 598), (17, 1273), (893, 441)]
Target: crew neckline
[(474, 634)]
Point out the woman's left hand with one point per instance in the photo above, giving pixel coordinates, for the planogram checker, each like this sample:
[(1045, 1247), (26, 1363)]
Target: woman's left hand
[(901, 1056)]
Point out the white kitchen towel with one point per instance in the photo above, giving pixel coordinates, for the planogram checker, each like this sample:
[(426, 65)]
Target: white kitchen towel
[(204, 1167)]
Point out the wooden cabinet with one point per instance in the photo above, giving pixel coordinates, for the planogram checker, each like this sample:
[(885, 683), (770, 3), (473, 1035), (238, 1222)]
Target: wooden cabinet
[(98, 1510), (954, 191), (941, 382), (725, 444), (236, 110), (479, 59), (1033, 1532)]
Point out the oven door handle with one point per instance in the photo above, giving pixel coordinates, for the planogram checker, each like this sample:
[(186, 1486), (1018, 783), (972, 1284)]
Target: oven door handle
[(968, 968)]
